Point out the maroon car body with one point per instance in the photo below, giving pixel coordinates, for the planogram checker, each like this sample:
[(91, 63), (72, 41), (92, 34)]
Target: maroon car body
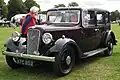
[(68, 35)]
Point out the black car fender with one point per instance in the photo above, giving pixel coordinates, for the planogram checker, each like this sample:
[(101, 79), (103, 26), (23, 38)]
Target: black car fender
[(109, 34), (10, 45), (60, 43)]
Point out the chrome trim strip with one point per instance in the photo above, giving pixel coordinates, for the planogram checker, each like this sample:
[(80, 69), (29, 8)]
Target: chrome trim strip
[(27, 56)]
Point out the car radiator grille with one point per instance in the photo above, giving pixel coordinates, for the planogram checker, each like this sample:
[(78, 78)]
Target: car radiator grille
[(33, 41)]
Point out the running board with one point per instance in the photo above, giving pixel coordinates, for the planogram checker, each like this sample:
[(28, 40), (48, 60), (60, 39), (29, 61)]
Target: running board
[(94, 52)]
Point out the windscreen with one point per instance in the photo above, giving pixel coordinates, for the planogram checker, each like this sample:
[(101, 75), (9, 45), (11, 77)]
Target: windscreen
[(64, 16)]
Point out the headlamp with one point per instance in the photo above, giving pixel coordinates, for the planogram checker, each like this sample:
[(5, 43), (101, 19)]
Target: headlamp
[(15, 36), (47, 38)]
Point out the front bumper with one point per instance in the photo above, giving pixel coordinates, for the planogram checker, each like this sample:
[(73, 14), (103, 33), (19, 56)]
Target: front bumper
[(27, 56)]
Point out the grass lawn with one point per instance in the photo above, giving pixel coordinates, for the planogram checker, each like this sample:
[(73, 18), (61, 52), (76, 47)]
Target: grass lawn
[(93, 68)]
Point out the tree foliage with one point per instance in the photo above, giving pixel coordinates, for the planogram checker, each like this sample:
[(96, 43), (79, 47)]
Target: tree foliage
[(30, 3), (4, 9), (1, 2), (15, 7), (59, 5), (73, 4), (115, 15)]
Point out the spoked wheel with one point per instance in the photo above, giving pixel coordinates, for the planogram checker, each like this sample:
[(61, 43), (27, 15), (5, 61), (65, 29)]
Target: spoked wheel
[(109, 51), (65, 61)]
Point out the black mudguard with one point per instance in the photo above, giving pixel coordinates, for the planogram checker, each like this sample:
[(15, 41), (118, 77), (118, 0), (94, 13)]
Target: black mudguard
[(106, 35), (60, 43), (10, 44), (111, 33)]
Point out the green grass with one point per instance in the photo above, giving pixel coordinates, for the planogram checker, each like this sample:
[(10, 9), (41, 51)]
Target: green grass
[(93, 68)]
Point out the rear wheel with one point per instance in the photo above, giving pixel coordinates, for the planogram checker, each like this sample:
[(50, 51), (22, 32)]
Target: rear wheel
[(11, 62), (64, 61), (109, 45)]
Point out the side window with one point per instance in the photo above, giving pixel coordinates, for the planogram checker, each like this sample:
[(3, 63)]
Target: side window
[(91, 18), (100, 18)]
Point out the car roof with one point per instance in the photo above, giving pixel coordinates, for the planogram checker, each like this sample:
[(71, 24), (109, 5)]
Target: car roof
[(64, 8), (98, 9), (77, 8)]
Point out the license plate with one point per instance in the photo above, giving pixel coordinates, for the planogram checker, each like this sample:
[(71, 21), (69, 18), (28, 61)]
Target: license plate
[(25, 62)]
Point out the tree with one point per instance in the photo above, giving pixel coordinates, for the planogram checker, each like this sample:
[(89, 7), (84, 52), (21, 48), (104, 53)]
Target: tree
[(15, 7), (30, 3), (59, 5), (3, 9), (73, 4), (115, 15)]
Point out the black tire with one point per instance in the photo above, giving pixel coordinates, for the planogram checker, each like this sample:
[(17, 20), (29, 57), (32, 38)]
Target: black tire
[(109, 45), (64, 61), (10, 62)]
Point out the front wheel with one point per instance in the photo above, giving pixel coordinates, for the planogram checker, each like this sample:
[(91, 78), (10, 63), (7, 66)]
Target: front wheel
[(109, 45), (64, 61), (11, 62)]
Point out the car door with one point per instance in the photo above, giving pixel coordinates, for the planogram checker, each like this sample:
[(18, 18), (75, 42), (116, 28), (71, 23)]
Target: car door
[(88, 41), (101, 25)]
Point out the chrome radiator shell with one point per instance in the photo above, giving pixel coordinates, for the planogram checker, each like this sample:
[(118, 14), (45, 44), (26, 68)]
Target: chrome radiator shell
[(33, 41)]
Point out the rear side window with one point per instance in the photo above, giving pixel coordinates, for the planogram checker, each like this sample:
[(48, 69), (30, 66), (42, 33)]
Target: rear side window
[(100, 18)]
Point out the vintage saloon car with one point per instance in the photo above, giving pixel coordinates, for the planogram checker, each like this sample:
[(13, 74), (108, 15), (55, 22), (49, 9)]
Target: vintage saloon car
[(68, 35)]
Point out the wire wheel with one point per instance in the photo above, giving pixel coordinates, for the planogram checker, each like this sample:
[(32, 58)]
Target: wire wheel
[(109, 45), (65, 61)]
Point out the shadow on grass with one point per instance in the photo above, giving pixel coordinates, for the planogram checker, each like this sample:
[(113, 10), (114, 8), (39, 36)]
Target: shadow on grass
[(44, 71), (116, 54), (89, 60)]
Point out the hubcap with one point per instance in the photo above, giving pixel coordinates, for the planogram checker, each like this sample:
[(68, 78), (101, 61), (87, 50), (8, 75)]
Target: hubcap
[(111, 45), (68, 60)]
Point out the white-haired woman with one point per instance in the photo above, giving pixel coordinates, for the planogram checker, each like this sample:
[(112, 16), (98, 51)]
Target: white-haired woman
[(29, 20)]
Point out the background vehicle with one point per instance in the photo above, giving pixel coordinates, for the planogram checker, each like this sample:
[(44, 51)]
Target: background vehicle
[(16, 19), (68, 35), (4, 21)]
